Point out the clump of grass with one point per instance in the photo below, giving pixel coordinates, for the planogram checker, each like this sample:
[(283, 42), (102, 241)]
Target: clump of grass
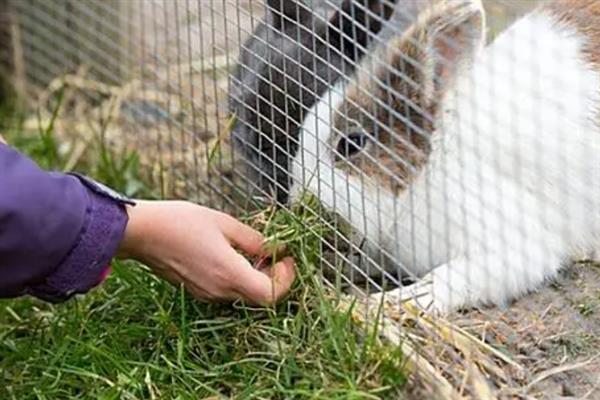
[(139, 337)]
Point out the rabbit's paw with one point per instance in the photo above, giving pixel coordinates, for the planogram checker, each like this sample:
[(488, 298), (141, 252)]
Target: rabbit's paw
[(419, 294), (432, 293)]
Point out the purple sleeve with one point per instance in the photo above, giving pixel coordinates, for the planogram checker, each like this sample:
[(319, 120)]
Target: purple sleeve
[(57, 237)]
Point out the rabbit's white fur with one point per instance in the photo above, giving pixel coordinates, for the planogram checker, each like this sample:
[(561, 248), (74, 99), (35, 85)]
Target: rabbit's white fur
[(511, 189)]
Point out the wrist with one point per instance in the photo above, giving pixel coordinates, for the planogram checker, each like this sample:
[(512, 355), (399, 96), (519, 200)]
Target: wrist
[(136, 232)]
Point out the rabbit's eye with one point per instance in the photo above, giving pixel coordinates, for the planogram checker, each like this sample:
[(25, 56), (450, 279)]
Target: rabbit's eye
[(351, 144)]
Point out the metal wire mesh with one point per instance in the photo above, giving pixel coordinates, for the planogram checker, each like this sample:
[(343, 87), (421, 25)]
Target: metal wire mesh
[(240, 104)]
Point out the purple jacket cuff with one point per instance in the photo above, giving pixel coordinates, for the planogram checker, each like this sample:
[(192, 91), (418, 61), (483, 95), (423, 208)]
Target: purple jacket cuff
[(86, 264), (57, 231)]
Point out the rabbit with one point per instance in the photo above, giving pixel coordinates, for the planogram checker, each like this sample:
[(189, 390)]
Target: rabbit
[(475, 168), (291, 58)]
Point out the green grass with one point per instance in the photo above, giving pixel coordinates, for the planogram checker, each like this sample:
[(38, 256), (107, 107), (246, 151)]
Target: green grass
[(137, 337)]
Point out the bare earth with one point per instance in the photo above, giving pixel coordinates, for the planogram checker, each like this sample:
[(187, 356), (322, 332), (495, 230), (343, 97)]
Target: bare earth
[(554, 333)]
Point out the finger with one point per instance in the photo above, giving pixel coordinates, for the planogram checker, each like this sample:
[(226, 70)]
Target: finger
[(205, 296), (265, 289), (2, 139), (241, 235), (282, 276)]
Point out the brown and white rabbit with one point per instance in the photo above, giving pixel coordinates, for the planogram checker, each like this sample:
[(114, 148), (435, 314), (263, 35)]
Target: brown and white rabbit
[(475, 168)]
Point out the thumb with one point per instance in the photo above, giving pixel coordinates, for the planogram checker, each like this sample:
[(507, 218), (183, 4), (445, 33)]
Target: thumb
[(262, 288)]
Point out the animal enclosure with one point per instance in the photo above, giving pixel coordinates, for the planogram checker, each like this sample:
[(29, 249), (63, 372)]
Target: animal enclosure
[(447, 152)]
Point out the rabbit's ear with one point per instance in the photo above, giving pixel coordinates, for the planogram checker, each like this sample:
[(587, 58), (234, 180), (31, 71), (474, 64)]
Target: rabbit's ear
[(432, 52), (289, 11), (444, 41)]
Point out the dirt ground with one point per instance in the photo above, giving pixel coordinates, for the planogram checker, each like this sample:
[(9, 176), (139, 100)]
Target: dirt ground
[(554, 333)]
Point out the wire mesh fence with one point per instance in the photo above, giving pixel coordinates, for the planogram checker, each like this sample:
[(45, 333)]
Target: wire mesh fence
[(450, 152)]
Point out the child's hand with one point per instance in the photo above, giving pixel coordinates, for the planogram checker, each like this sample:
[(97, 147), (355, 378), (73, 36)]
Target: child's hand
[(189, 244)]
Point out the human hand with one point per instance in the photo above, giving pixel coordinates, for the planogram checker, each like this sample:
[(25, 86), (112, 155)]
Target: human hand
[(189, 244)]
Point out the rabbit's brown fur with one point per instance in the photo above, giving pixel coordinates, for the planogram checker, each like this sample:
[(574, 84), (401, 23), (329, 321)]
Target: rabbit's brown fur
[(401, 119), (583, 16), (400, 144)]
